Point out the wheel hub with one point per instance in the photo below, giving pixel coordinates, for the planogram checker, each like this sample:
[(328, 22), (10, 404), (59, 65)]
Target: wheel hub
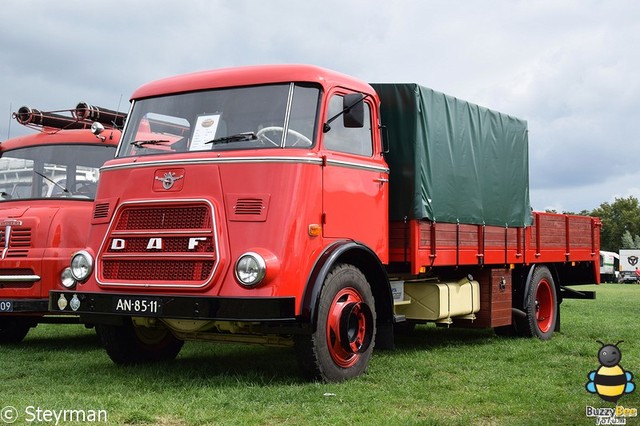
[(355, 320), (349, 327)]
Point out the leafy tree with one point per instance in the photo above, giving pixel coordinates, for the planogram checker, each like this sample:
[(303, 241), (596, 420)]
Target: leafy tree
[(618, 218), (627, 241)]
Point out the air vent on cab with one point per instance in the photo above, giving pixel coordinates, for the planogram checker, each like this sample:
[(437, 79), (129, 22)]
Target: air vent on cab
[(247, 207), (101, 211)]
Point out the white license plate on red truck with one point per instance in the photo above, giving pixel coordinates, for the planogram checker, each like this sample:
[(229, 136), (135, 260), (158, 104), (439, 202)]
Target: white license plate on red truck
[(137, 305)]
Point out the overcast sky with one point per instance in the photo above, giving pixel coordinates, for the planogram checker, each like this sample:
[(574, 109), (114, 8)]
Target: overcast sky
[(570, 68)]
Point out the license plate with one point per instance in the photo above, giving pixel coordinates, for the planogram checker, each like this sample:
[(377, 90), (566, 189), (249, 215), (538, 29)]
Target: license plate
[(6, 306), (137, 305)]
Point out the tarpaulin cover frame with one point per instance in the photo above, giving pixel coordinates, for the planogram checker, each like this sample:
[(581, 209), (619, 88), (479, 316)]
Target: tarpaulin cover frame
[(453, 161)]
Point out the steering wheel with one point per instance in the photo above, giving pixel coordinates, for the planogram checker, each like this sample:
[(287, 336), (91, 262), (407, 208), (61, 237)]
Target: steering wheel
[(87, 189), (300, 138)]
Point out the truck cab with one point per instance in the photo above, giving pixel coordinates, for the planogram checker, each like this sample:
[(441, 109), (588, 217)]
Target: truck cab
[(225, 208), (48, 181)]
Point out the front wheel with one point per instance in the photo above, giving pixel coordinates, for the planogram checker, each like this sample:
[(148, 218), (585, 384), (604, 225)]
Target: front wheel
[(128, 344), (541, 305), (13, 330), (341, 345)]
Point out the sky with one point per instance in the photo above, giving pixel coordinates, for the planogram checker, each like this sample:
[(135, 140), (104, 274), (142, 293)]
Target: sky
[(571, 69)]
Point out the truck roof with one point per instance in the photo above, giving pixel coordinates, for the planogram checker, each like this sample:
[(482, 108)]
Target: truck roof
[(245, 76), (66, 137)]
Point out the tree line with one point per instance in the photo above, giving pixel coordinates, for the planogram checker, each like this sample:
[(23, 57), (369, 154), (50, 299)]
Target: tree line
[(620, 223)]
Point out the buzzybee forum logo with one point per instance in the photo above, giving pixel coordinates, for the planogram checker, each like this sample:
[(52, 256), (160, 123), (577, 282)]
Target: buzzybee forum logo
[(610, 382)]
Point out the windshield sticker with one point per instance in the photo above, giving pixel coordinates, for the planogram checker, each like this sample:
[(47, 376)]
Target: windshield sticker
[(205, 130)]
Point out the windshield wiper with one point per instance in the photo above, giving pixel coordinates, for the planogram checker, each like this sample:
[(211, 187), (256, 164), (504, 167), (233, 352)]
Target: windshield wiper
[(240, 137), (53, 182), (140, 144)]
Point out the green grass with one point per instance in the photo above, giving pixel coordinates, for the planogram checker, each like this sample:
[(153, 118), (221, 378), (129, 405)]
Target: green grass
[(435, 376)]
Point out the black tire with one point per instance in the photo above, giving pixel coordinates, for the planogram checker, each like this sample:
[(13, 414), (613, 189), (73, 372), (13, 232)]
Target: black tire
[(342, 344), (541, 306), (127, 344), (13, 330)]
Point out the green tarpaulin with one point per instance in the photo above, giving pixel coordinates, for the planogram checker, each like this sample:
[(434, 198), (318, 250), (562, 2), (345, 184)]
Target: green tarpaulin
[(453, 161)]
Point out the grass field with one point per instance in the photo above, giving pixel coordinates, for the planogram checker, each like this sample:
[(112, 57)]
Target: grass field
[(435, 376)]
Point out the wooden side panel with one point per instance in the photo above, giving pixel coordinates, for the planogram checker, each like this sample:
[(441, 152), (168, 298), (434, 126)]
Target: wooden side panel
[(552, 238), (495, 298)]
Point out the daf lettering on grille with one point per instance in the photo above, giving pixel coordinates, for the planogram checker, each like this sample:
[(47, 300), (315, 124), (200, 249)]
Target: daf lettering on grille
[(169, 179), (161, 243), (154, 243)]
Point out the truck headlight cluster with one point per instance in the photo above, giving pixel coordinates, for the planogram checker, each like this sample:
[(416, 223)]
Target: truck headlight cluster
[(67, 279), (251, 269), (81, 265)]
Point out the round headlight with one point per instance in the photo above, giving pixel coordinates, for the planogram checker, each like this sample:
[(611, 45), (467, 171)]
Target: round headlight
[(250, 269), (81, 265), (66, 278)]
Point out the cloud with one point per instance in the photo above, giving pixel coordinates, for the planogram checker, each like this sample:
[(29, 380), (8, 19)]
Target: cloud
[(569, 68)]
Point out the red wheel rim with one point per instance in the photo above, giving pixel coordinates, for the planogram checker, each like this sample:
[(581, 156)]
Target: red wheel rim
[(348, 327), (544, 306)]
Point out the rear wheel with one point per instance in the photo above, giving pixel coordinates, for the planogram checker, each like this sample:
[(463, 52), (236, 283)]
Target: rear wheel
[(541, 305), (128, 344), (341, 345)]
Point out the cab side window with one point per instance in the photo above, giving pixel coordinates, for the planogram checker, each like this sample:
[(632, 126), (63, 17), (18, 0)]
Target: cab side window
[(351, 140)]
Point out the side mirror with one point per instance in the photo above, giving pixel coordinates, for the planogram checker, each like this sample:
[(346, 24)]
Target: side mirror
[(353, 107)]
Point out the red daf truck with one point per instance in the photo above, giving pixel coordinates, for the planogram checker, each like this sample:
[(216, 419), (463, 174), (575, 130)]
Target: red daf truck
[(47, 184), (297, 206)]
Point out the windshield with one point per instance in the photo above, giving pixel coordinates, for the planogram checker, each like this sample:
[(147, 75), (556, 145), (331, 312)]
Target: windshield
[(52, 171), (255, 117)]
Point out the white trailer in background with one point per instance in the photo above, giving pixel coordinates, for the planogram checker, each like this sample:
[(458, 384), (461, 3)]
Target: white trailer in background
[(609, 265), (629, 262)]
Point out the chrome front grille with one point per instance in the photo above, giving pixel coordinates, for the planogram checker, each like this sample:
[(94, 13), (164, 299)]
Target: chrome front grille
[(158, 270), (195, 217), (19, 241), (160, 245)]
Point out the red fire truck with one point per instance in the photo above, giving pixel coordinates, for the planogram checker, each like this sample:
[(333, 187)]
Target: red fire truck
[(47, 184), (294, 205)]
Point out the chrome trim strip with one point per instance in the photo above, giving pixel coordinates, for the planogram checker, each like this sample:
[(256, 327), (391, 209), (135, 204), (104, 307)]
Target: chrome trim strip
[(159, 256), (227, 160), (168, 232), (219, 160), (19, 278), (360, 166)]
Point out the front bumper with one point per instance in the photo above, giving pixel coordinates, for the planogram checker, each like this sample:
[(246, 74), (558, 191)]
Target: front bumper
[(177, 307), (23, 306)]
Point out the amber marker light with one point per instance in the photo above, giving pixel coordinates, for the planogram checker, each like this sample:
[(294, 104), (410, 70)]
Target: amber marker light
[(315, 230)]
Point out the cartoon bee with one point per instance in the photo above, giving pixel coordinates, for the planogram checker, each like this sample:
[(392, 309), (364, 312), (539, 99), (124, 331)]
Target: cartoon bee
[(610, 381)]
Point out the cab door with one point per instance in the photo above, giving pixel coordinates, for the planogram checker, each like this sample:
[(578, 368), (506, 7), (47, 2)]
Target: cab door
[(355, 181)]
